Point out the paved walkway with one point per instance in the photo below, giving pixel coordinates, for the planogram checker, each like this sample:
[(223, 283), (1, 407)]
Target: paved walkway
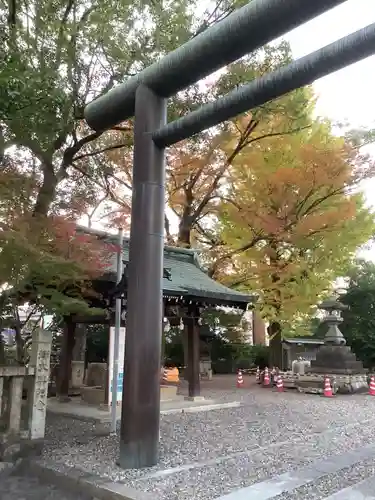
[(29, 488), (76, 409)]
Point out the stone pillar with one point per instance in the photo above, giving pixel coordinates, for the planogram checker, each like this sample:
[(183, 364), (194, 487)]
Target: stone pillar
[(40, 359), (1, 395)]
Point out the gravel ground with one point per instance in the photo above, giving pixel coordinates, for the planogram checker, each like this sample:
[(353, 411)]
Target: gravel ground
[(223, 450), (28, 488)]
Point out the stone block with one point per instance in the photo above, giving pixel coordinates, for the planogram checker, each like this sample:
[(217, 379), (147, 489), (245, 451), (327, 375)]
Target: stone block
[(78, 372), (341, 384), (96, 375), (93, 396), (9, 449), (336, 359), (168, 392)]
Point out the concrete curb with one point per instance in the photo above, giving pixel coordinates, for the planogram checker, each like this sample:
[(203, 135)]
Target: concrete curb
[(106, 419), (83, 418), (76, 481), (198, 409), (8, 469)]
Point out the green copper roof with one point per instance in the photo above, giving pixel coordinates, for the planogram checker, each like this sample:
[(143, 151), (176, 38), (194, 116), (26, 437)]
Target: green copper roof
[(186, 277)]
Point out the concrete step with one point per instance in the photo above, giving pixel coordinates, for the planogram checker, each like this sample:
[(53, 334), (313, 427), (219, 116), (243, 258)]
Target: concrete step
[(363, 490), (289, 485)]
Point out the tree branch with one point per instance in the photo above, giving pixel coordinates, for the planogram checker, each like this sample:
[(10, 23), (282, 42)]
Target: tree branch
[(232, 253), (68, 157), (99, 151), (278, 134)]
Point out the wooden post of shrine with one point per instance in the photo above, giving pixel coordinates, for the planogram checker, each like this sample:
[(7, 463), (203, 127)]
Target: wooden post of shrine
[(193, 353), (65, 369)]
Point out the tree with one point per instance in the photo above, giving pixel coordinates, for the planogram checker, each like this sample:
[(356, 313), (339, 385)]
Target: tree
[(292, 220), (56, 57), (199, 168), (46, 264), (358, 326)]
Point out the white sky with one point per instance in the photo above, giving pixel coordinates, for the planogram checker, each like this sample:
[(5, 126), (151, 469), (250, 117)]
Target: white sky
[(349, 94)]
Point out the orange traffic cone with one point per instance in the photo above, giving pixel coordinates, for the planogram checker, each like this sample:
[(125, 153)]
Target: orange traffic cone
[(239, 380), (280, 384), (371, 389), (266, 378), (327, 388), (257, 377)]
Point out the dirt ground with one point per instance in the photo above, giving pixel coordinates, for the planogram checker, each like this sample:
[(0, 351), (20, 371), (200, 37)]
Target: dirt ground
[(224, 383)]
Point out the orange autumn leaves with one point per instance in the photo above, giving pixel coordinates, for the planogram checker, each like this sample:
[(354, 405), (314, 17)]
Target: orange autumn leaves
[(290, 188)]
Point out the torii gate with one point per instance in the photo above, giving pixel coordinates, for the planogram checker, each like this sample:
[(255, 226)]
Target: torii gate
[(145, 97)]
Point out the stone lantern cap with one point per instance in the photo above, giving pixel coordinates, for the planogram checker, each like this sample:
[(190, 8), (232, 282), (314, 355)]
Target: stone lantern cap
[(332, 304)]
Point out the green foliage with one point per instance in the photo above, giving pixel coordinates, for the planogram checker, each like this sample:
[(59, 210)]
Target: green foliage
[(261, 356), (227, 323), (57, 56), (97, 343), (227, 347), (358, 326)]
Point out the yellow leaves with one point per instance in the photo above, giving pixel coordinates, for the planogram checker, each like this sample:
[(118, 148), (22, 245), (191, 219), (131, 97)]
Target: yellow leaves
[(295, 193)]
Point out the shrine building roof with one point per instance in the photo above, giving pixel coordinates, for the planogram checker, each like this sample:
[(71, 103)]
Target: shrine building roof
[(184, 276)]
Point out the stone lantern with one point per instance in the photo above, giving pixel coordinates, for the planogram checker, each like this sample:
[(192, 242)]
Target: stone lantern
[(335, 359), (333, 310)]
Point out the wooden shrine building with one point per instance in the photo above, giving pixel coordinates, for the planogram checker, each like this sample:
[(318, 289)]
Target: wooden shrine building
[(187, 290)]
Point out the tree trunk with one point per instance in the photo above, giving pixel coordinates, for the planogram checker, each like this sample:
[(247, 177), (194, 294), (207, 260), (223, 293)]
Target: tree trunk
[(19, 345), (259, 329), (184, 235), (47, 191), (65, 369), (276, 349)]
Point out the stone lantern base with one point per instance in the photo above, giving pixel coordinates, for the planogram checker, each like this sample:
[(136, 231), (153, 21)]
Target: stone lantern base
[(313, 383), (340, 364), (336, 359)]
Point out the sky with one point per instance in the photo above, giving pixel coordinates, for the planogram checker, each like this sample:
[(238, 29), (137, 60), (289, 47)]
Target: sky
[(346, 95)]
